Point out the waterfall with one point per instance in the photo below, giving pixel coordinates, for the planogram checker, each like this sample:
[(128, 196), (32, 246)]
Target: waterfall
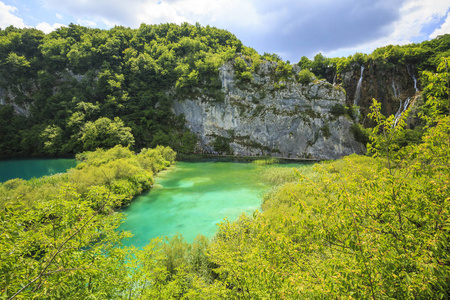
[(413, 77), (401, 110), (358, 88), (406, 103), (415, 83), (396, 89)]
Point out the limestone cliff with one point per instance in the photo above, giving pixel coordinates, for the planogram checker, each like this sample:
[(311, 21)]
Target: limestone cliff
[(261, 117), (7, 98)]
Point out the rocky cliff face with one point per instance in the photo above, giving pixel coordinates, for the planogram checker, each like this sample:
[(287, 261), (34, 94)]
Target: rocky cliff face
[(391, 86), (7, 98), (260, 118)]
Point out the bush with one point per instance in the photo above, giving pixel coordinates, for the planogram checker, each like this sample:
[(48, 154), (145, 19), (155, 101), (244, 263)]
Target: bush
[(325, 129), (222, 145), (280, 175), (361, 135), (338, 110), (246, 76), (305, 76)]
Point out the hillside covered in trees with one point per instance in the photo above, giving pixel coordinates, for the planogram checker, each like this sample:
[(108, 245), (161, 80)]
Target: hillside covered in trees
[(79, 88), (362, 227), (76, 84)]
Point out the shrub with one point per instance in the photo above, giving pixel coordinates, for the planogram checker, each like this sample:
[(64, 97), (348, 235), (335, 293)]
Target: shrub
[(222, 145), (305, 76), (246, 76), (280, 175), (360, 133), (325, 129), (338, 110)]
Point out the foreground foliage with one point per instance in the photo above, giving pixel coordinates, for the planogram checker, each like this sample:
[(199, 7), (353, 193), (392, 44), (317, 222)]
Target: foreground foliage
[(358, 228), (58, 233)]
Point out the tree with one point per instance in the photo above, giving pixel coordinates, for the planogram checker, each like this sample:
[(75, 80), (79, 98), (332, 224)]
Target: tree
[(305, 76), (105, 133), (53, 139)]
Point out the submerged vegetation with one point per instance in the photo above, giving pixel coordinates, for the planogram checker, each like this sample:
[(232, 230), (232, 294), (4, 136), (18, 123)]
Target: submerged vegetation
[(268, 161)]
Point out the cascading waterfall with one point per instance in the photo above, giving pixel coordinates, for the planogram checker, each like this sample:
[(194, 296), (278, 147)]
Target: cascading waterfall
[(393, 82), (413, 77), (358, 88), (401, 111), (396, 89), (415, 83)]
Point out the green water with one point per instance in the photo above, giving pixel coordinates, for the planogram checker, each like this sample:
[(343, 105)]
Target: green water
[(29, 168), (191, 198)]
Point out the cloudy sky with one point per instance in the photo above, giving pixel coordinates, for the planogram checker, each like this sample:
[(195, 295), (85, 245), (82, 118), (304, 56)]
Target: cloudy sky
[(290, 28)]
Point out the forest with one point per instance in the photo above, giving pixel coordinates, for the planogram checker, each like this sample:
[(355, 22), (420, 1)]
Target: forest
[(375, 226), (79, 88)]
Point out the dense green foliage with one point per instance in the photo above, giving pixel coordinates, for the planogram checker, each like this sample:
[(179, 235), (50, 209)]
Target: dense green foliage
[(305, 76), (76, 81), (59, 232), (423, 56), (360, 227)]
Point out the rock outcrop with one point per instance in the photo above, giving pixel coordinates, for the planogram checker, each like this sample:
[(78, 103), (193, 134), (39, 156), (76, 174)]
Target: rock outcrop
[(5, 97), (266, 117)]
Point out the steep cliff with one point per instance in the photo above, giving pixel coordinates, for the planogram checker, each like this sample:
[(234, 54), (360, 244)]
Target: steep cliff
[(263, 116), (391, 86)]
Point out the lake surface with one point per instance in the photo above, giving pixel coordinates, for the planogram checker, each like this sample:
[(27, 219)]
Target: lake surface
[(29, 168), (191, 198)]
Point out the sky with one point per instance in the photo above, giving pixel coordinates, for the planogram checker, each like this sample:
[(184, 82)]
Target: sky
[(289, 28)]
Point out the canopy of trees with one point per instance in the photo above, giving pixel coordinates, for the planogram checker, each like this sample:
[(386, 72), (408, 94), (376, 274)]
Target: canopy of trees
[(424, 56), (77, 77)]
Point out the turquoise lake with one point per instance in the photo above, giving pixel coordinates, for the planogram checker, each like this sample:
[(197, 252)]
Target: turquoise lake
[(29, 168), (191, 198)]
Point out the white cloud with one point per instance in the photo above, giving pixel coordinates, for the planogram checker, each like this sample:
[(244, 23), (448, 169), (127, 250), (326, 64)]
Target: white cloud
[(87, 23), (47, 28), (227, 14), (292, 27), (7, 17), (445, 28), (414, 16), (59, 16), (221, 13)]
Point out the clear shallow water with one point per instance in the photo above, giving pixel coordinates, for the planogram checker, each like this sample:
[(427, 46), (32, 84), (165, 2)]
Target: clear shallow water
[(191, 198), (29, 168)]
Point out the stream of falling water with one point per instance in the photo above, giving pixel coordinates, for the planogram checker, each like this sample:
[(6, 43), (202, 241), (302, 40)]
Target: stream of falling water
[(358, 88)]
